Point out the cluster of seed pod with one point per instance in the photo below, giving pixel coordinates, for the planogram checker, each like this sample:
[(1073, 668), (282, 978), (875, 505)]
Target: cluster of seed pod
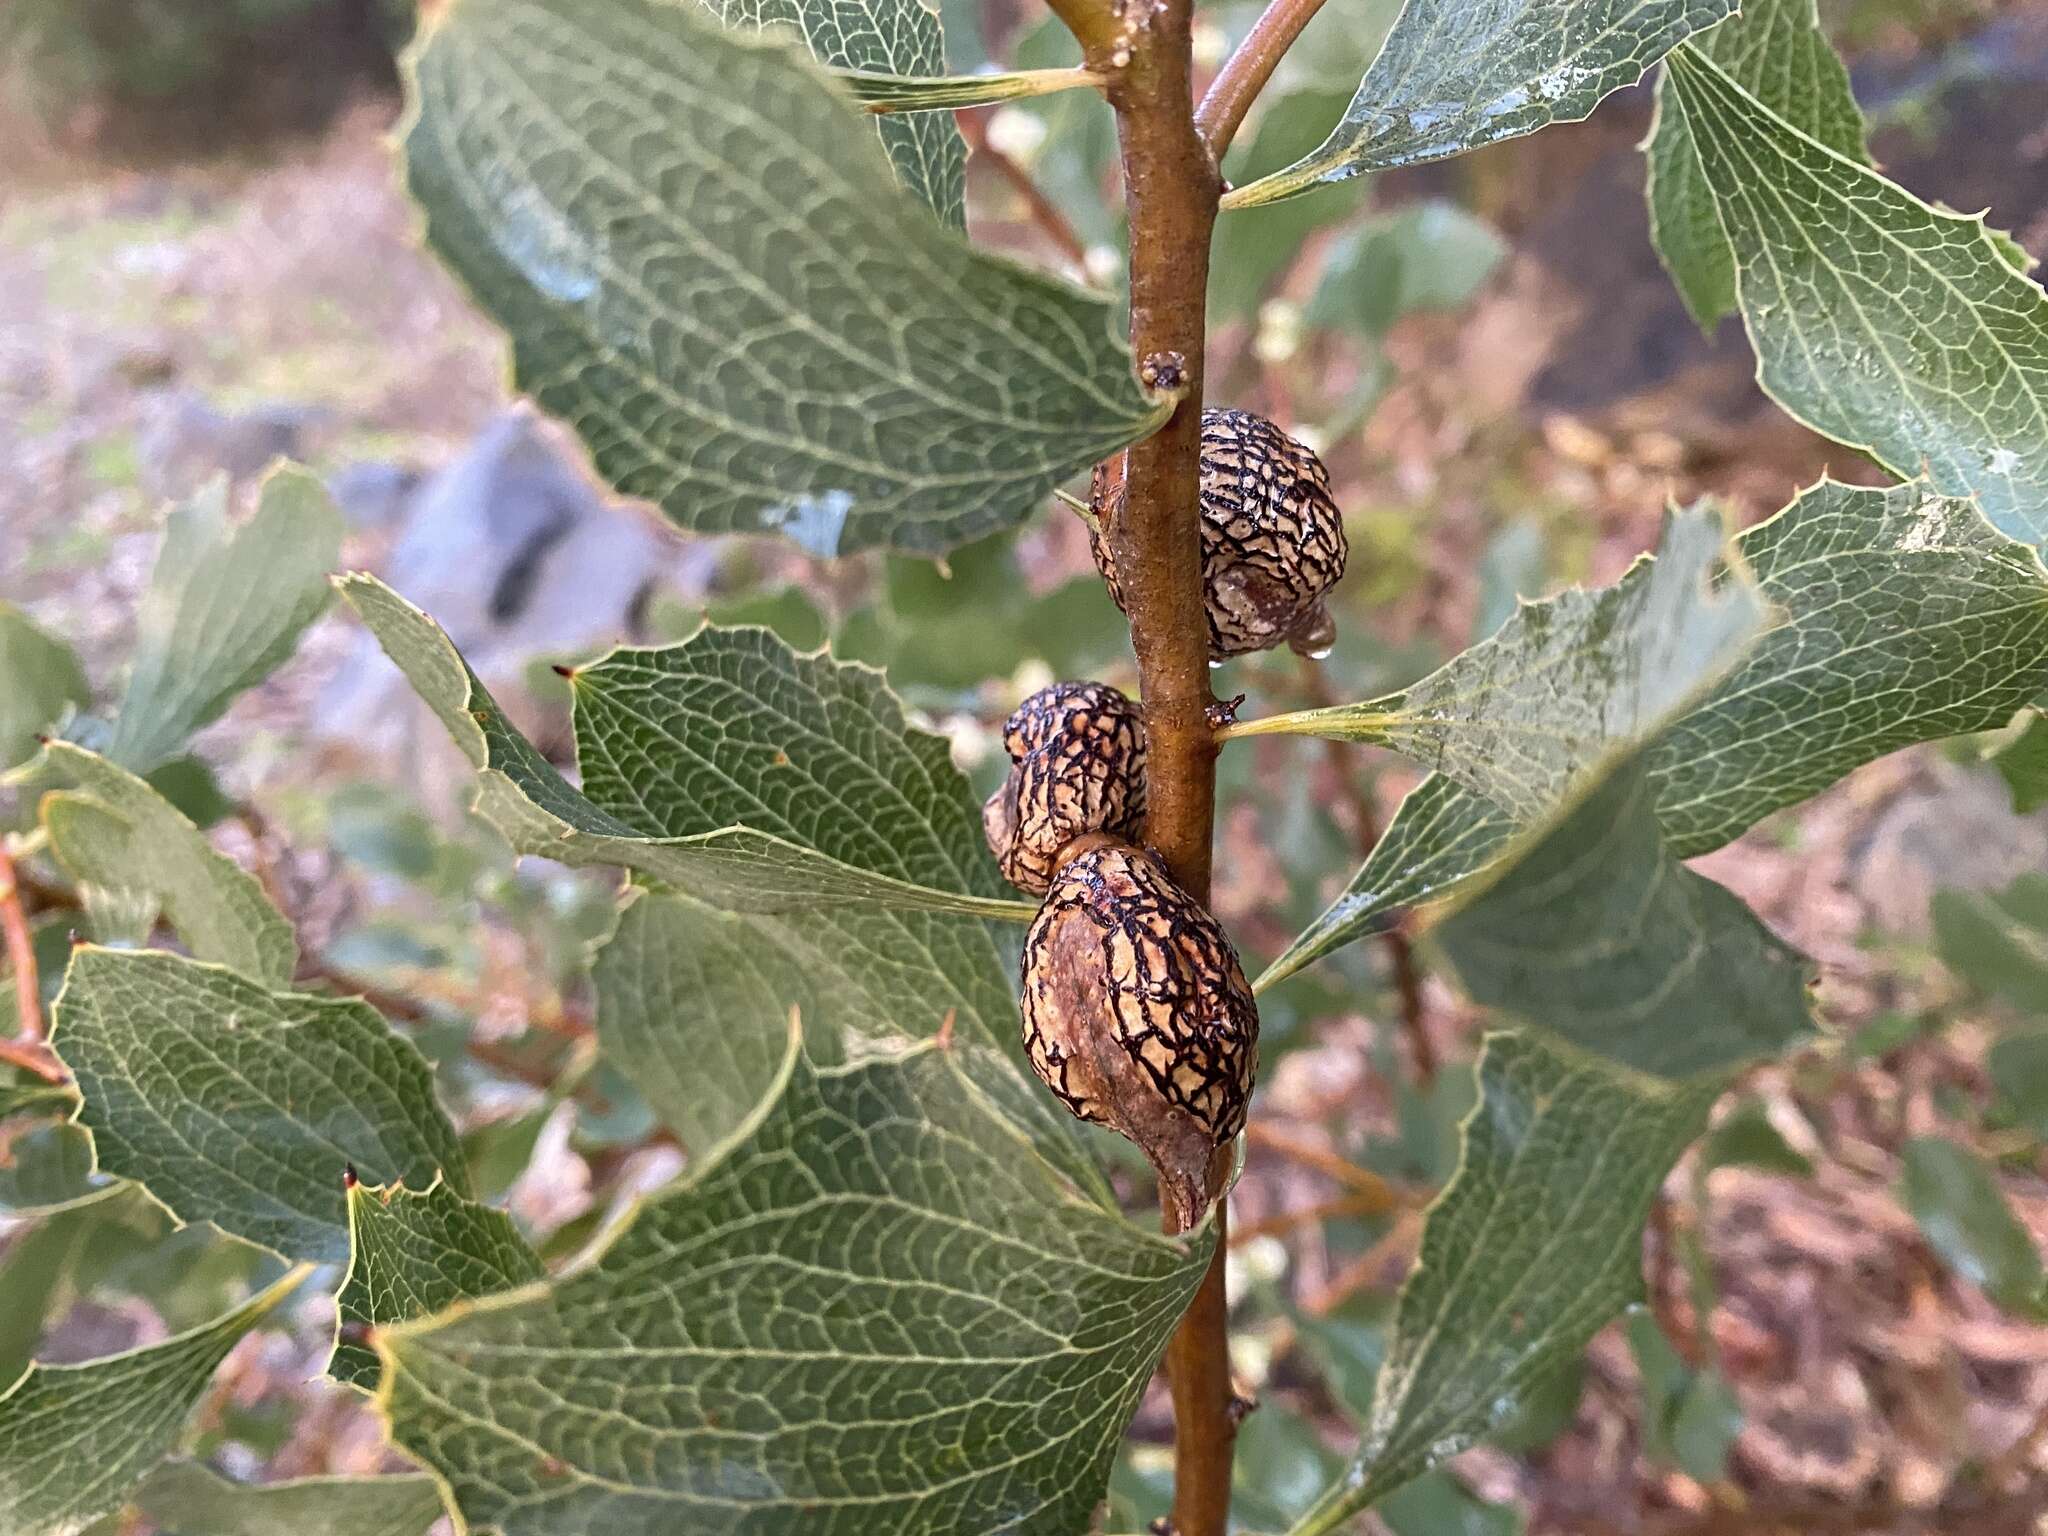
[(1136, 1011)]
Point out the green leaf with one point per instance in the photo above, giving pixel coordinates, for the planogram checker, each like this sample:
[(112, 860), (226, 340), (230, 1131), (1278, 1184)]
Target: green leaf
[(2023, 763), (1454, 76), (1690, 1418), (187, 1498), (411, 1254), (874, 43), (40, 679), (242, 1106), (1437, 1504), (119, 835), (1250, 253), (1745, 1138), (2018, 1068), (1530, 1250), (50, 1169), (1901, 617), (76, 1439), (1777, 52), (1954, 1196), (223, 608), (1518, 716), (947, 93), (1592, 929), (880, 1311), (727, 766), (1423, 256), (1987, 946), (709, 270), (1905, 332)]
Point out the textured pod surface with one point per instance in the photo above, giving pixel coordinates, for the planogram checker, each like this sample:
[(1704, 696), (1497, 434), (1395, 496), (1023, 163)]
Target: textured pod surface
[(1079, 767), (1137, 1015), (1272, 538)]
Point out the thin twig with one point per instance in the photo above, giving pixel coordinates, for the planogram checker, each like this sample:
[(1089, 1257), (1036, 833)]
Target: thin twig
[(1044, 213), (1299, 1149), (34, 1057), (1246, 71), (1284, 1222), (21, 954), (1400, 953)]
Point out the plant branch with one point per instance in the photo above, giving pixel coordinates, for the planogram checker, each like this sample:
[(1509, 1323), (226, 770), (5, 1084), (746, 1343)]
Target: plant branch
[(1171, 190), (1044, 213), (1246, 71), (21, 954)]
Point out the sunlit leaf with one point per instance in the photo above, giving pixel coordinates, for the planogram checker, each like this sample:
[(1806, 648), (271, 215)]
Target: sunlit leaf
[(1900, 617), (1906, 332), (413, 1253), (225, 605), (1777, 52), (40, 679), (880, 1310), (727, 766), (76, 1439), (709, 270), (1597, 933), (1531, 1249), (1453, 76), (185, 1498), (242, 1106), (116, 833)]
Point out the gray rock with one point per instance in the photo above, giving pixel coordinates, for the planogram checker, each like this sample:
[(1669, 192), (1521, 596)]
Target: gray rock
[(518, 556), (187, 441), (374, 495), (1950, 826)]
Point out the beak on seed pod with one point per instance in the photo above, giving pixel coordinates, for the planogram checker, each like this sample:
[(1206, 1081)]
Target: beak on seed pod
[(1079, 767), (1138, 1017), (1272, 539)]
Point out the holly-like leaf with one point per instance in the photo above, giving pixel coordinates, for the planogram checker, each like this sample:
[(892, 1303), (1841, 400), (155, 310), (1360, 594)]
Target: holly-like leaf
[(1901, 617), (1595, 932), (709, 269), (1777, 52), (1532, 1248), (1454, 76), (1517, 717), (727, 766), (245, 1107), (1906, 332), (76, 1439), (188, 1498), (116, 834), (224, 607), (880, 1310), (414, 1253), (40, 679), (50, 1169), (881, 40)]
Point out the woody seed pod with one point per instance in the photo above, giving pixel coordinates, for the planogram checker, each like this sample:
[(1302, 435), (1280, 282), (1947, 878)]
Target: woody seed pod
[(1138, 1017), (1272, 539), (1079, 766)]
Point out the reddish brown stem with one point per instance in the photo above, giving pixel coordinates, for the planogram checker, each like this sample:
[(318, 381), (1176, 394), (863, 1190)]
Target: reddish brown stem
[(21, 954), (1050, 221), (1246, 71), (1171, 188)]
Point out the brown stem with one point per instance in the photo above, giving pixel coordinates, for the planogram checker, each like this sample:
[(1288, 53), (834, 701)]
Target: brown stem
[(21, 954), (1171, 188), (1044, 213), (1246, 71)]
